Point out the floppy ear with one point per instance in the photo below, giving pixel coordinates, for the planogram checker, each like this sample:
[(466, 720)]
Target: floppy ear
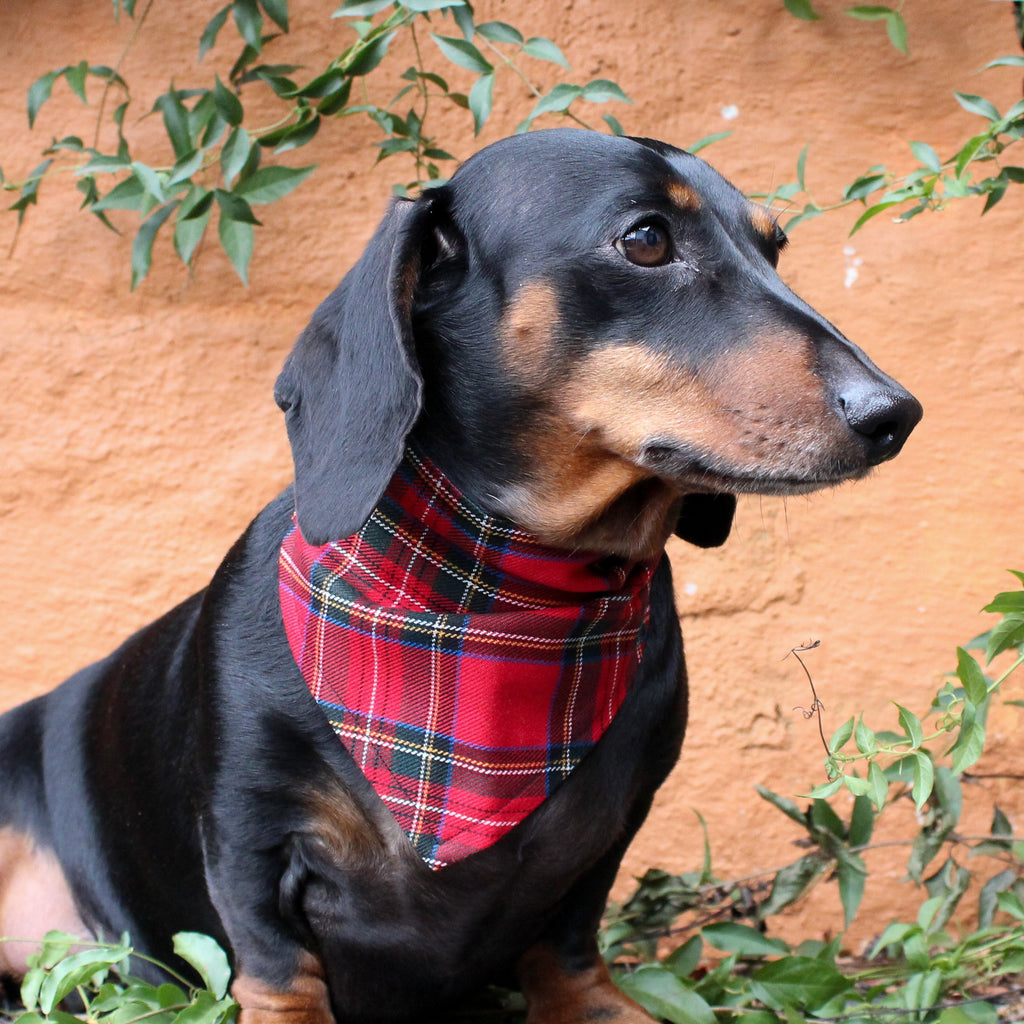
[(706, 519), (350, 389)]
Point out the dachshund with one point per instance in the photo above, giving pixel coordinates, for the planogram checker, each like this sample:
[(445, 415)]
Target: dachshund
[(397, 748)]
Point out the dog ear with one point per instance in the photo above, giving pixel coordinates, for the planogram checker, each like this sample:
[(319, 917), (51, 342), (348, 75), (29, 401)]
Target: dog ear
[(706, 519), (351, 387)]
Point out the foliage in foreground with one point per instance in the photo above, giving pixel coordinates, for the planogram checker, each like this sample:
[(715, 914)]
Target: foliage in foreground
[(695, 949)]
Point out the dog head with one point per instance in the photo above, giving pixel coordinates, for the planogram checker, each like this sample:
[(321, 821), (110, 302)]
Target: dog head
[(588, 334)]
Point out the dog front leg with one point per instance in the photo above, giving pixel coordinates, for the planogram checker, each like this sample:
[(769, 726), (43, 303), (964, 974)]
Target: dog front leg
[(304, 1000), (563, 990)]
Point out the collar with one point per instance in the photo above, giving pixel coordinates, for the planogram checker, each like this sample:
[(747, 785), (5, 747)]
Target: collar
[(466, 667)]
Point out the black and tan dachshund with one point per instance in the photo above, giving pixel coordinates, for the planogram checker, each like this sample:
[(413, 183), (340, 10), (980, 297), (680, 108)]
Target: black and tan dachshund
[(582, 342)]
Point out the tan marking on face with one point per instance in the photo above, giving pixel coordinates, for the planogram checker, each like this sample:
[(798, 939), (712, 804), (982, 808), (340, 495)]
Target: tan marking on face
[(685, 197), (759, 410), (304, 1001), (554, 994), (527, 332), (34, 898), (763, 220)]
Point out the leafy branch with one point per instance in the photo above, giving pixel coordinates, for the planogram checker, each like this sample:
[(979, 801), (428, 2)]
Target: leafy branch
[(975, 169), (215, 167)]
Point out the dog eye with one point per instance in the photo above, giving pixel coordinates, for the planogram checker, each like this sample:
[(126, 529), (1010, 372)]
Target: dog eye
[(646, 245)]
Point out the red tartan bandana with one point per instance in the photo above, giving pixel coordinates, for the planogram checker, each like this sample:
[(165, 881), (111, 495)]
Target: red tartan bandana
[(466, 668)]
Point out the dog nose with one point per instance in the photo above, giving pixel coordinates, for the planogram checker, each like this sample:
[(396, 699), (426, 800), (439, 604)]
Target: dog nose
[(883, 417)]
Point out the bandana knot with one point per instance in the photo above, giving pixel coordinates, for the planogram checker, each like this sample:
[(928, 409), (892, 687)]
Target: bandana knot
[(467, 668)]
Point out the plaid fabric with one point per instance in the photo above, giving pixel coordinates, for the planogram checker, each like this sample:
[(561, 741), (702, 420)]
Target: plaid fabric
[(465, 667)]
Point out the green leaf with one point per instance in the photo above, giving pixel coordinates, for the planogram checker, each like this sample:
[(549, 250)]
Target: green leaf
[(977, 105), (234, 206), (151, 181), (685, 959), (841, 736), (864, 186), (924, 778), (862, 821), (1015, 61), (142, 253), (367, 57), (971, 677), (911, 725), (824, 817), (335, 101), (785, 805), (557, 100), (1008, 602), (237, 240), (277, 11), (879, 785), (853, 876), (544, 49), (463, 53), (75, 77), (269, 184), (234, 154), (188, 234), (802, 9), (463, 17), (743, 940), (896, 28), (229, 106), (969, 152), (209, 960), (870, 213), (792, 882), (865, 738), (798, 981), (500, 32), (185, 168), (987, 898), (969, 746), (480, 99), (298, 136), (361, 8), (801, 166), (926, 155), (249, 23), (39, 92), (423, 6), (869, 12), (613, 124), (125, 195), (664, 996), (706, 141), (213, 27), (601, 90), (176, 122)]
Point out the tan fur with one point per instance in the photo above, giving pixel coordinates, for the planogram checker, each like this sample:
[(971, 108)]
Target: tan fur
[(556, 996), (527, 332), (685, 197), (305, 1001), (760, 410), (763, 220), (34, 899)]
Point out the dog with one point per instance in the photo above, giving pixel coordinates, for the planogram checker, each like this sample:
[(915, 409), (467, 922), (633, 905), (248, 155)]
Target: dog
[(397, 747)]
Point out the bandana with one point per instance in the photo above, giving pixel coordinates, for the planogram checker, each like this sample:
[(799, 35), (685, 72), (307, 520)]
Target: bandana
[(465, 667)]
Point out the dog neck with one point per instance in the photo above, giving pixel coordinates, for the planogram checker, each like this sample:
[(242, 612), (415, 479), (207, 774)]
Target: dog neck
[(465, 667)]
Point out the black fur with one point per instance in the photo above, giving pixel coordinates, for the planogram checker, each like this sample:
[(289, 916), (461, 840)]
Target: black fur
[(189, 781)]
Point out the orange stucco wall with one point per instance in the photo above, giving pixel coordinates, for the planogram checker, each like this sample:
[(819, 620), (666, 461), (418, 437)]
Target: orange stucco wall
[(139, 435)]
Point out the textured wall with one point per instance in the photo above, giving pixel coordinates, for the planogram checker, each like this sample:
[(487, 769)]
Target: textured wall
[(139, 435)]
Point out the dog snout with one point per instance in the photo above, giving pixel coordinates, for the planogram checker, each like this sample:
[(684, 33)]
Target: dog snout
[(882, 415)]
